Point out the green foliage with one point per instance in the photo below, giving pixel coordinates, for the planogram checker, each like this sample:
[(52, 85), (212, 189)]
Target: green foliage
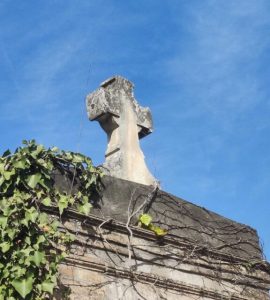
[(32, 244), (145, 220)]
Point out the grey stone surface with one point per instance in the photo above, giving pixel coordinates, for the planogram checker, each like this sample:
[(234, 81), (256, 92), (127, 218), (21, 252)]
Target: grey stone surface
[(107, 100), (203, 256), (184, 220), (113, 105), (157, 272)]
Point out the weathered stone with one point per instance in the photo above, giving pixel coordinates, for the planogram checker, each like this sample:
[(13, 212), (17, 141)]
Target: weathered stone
[(204, 256), (113, 105), (184, 220), (99, 266)]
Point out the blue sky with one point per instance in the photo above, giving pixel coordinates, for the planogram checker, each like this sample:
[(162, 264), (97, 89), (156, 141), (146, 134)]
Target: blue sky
[(201, 66)]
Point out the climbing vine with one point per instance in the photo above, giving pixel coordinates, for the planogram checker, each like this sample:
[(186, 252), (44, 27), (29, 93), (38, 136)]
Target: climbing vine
[(32, 243)]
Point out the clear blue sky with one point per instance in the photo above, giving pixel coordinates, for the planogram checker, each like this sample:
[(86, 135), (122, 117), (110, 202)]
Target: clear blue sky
[(201, 66)]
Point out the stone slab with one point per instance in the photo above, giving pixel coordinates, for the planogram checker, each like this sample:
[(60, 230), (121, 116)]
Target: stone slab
[(183, 219)]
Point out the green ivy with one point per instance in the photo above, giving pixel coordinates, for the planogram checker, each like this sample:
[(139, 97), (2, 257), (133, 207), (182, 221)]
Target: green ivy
[(32, 243), (145, 221)]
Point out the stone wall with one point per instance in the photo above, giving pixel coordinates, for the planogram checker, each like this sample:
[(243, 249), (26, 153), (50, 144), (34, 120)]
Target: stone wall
[(203, 256)]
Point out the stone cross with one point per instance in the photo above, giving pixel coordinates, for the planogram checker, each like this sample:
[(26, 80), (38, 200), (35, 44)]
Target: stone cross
[(113, 105)]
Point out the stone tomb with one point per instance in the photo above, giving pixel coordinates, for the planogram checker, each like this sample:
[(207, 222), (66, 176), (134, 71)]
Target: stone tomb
[(203, 256)]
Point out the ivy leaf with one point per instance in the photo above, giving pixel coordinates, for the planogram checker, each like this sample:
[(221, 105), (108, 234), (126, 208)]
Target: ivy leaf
[(62, 203), (2, 180), (47, 286), (31, 214), (6, 153), (18, 271), (8, 174), (41, 239), (2, 168), (45, 183), (92, 180), (2, 296), (43, 219), (33, 180), (3, 222), (158, 230), (78, 158), (145, 219), (55, 224), (55, 149), (11, 232), (46, 201), (84, 208), (5, 246), (37, 258), (23, 286), (39, 194), (20, 164), (38, 150)]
